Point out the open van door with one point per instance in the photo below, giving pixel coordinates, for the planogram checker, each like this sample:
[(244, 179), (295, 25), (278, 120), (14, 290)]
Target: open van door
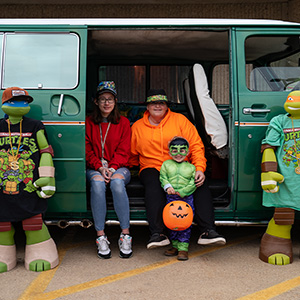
[(270, 71), (50, 63)]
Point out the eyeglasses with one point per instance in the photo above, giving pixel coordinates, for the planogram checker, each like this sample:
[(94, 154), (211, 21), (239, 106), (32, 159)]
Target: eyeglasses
[(104, 100)]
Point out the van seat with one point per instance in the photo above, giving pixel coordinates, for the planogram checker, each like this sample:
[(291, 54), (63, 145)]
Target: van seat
[(207, 118), (135, 190), (131, 111)]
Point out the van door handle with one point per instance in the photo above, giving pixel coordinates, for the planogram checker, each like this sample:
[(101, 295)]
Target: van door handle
[(248, 110), (61, 100)]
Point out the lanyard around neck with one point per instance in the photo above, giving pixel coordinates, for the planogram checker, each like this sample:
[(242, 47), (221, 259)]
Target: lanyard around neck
[(103, 140)]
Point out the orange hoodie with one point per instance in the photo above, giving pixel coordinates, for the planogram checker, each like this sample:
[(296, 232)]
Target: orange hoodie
[(149, 143)]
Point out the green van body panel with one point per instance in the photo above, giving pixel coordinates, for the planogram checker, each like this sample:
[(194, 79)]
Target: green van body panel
[(66, 129)]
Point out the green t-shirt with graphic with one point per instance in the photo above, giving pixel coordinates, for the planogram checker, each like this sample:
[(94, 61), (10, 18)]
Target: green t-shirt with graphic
[(286, 137)]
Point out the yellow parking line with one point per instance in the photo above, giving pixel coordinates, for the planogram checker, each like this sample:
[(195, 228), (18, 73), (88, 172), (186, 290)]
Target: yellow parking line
[(39, 285), (274, 291), (35, 290)]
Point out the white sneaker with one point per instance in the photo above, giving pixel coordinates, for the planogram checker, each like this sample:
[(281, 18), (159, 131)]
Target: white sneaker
[(103, 247), (125, 242)]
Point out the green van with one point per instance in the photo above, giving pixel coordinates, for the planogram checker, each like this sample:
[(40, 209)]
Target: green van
[(249, 66)]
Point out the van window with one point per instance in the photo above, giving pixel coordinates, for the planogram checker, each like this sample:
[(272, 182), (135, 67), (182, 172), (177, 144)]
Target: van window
[(130, 81), (133, 81), (274, 61), (1, 48), (220, 84), (48, 61), (169, 78)]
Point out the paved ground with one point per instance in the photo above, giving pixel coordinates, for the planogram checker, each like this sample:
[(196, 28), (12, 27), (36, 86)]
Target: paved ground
[(212, 273)]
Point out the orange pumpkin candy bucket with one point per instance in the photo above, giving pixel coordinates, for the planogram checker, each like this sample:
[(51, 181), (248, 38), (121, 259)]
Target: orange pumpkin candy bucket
[(178, 215)]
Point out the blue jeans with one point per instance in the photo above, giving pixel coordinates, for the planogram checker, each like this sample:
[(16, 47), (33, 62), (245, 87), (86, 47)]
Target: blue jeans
[(119, 194)]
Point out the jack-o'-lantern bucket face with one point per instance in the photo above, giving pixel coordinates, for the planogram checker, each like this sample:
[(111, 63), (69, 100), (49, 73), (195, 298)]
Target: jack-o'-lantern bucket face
[(178, 215)]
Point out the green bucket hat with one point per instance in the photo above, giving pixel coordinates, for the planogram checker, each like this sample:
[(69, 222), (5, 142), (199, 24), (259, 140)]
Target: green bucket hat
[(156, 96)]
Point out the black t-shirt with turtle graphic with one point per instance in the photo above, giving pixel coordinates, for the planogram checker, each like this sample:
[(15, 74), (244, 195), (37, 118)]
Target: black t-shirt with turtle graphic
[(18, 171)]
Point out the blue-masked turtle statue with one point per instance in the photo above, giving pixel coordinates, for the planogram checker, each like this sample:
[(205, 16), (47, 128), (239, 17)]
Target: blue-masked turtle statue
[(26, 181)]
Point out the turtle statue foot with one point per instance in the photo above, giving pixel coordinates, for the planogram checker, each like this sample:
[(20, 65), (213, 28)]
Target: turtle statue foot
[(275, 250), (8, 258), (41, 256)]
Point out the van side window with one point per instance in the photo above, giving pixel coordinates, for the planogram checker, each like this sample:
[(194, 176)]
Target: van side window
[(134, 81), (130, 80), (171, 79), (1, 49), (41, 60), (273, 63), (220, 84)]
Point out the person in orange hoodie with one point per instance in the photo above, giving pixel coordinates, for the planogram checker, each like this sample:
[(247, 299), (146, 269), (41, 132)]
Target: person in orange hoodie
[(149, 149)]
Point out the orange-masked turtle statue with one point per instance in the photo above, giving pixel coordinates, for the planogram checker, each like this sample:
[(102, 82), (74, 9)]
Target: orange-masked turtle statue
[(280, 179), (27, 180)]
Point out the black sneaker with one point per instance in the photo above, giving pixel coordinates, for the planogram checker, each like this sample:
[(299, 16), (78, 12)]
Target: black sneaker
[(211, 237), (157, 240)]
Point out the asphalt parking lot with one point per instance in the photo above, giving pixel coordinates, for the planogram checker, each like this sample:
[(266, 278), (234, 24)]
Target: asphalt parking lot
[(228, 272)]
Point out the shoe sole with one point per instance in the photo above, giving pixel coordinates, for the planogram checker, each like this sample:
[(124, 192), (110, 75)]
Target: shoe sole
[(158, 244), (122, 255), (106, 256), (168, 254), (216, 241), (182, 258)]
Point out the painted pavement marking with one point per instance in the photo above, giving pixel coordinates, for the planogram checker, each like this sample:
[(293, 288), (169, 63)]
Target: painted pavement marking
[(274, 290), (36, 289)]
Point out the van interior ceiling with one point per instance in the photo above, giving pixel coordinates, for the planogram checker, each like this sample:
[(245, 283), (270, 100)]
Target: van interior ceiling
[(162, 58), (159, 44), (157, 48)]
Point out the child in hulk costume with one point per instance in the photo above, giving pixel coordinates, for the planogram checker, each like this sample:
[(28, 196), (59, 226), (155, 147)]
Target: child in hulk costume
[(177, 178), (27, 180), (281, 164)]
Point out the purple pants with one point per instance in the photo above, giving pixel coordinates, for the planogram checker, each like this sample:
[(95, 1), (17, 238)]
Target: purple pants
[(182, 236)]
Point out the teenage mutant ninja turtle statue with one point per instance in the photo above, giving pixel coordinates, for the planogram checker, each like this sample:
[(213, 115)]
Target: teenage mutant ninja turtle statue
[(280, 180), (27, 180)]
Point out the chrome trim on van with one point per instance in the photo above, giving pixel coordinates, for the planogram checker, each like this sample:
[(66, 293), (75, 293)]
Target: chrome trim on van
[(61, 99), (63, 122), (244, 124), (86, 223), (249, 111)]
